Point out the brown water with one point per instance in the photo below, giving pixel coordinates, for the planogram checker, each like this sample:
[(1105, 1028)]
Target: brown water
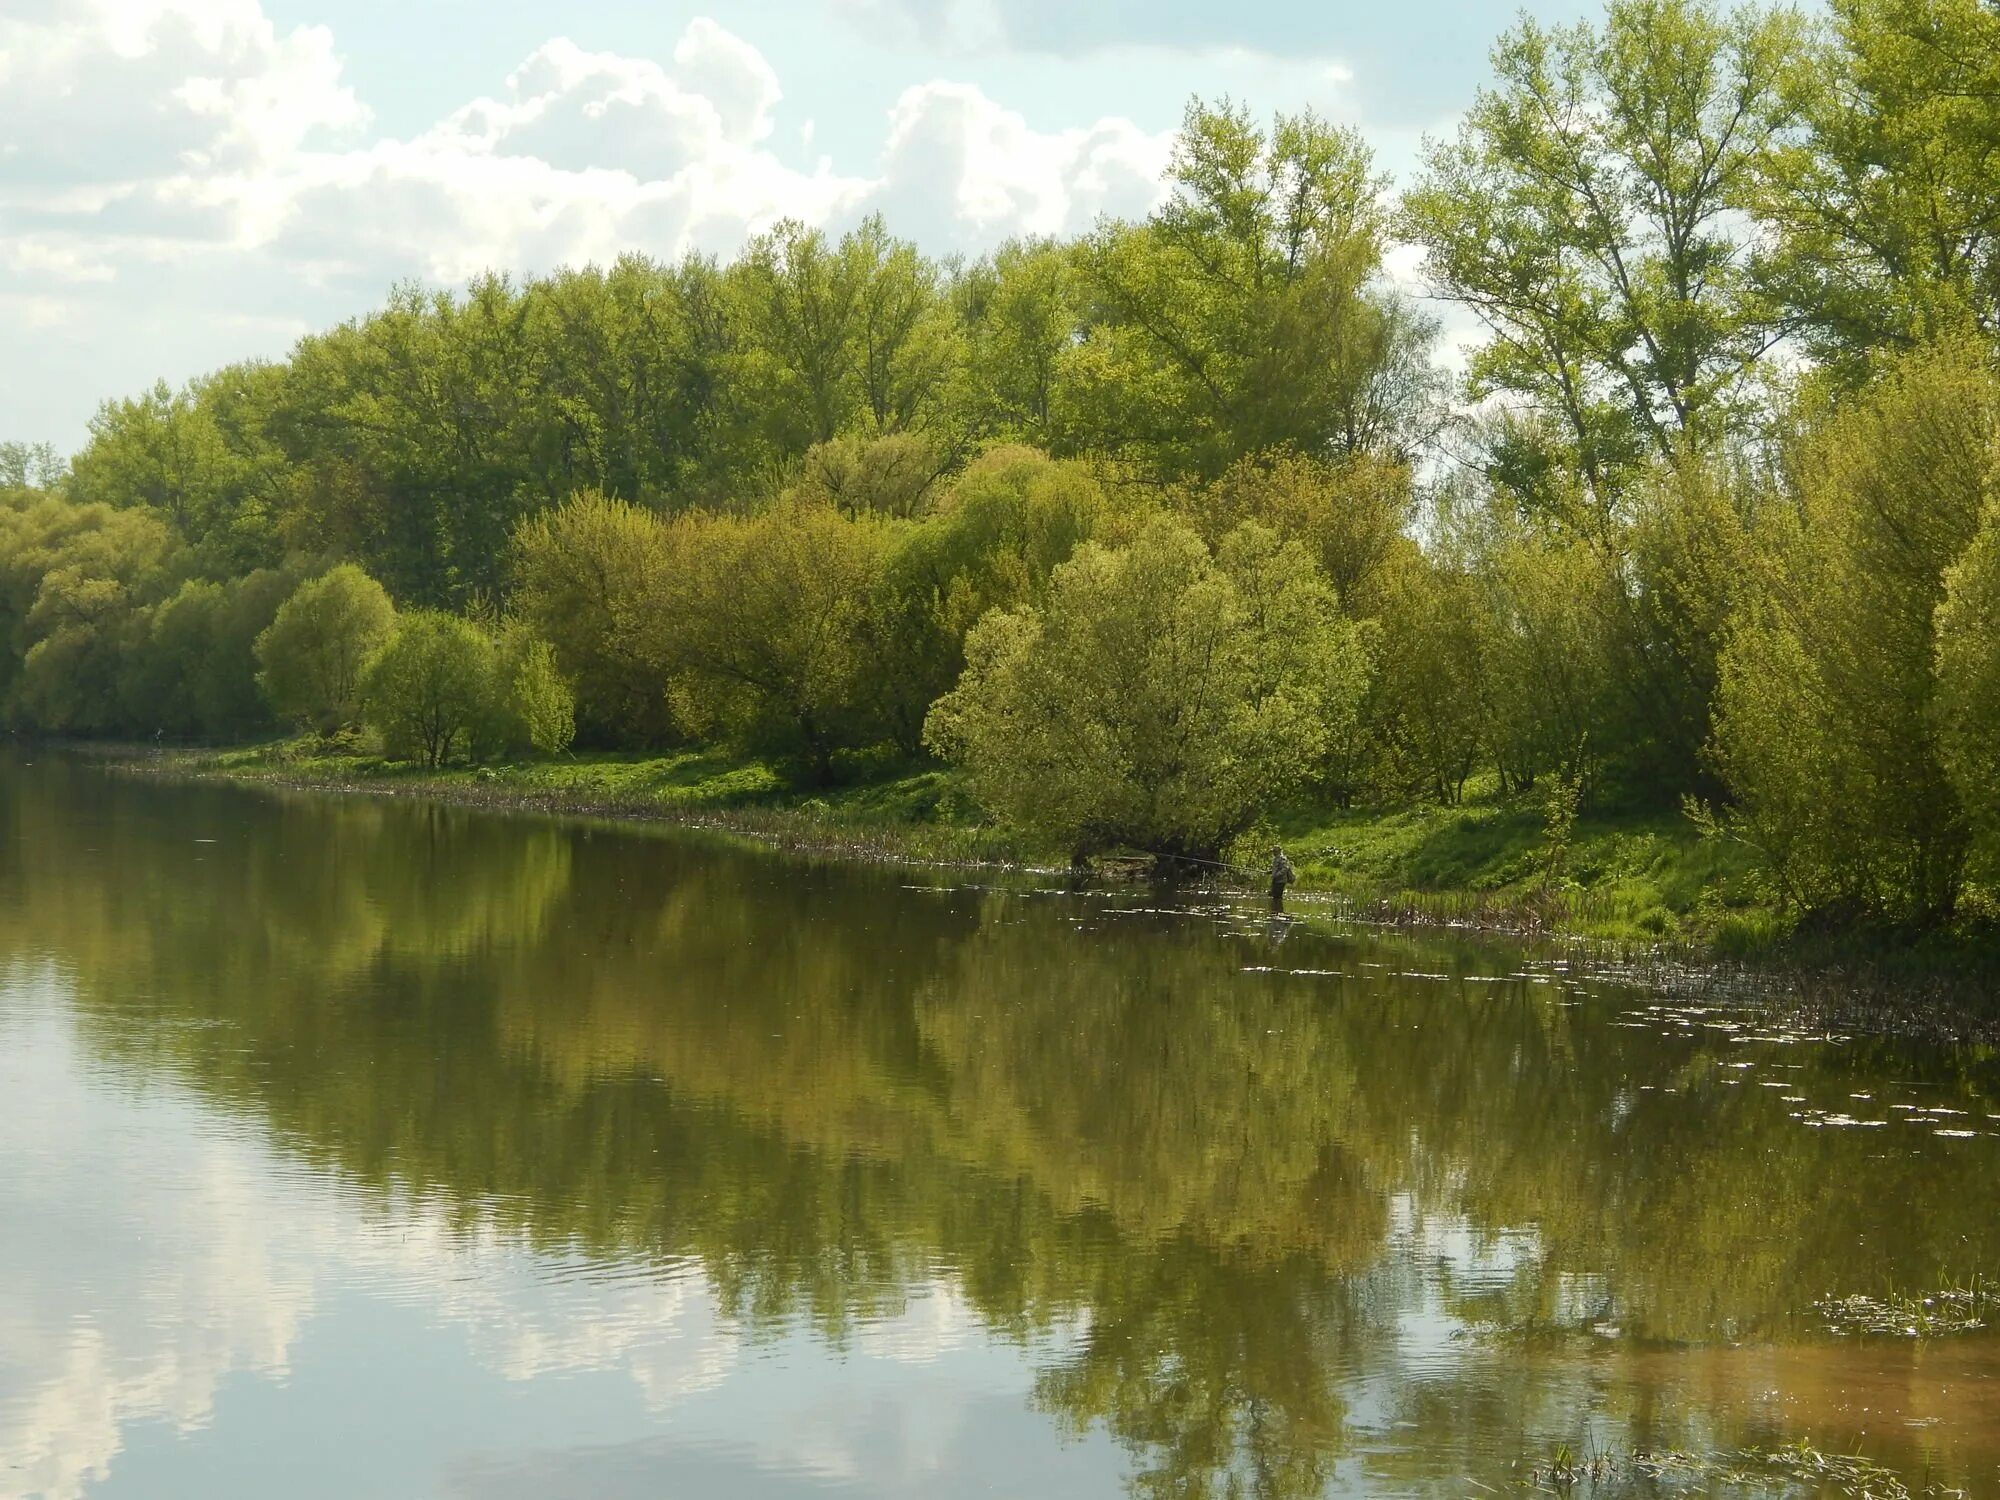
[(353, 1148)]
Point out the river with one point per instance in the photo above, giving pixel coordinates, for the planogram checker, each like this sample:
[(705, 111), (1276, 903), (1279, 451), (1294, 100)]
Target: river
[(353, 1147)]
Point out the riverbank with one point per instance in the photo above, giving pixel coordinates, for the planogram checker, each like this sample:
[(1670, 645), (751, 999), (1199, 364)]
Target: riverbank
[(1640, 887), (1638, 879)]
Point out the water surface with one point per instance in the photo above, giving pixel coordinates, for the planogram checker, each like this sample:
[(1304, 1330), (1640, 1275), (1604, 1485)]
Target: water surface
[(353, 1147)]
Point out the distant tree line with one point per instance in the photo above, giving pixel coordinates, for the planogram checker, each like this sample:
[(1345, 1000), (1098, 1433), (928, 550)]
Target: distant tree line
[(1150, 531)]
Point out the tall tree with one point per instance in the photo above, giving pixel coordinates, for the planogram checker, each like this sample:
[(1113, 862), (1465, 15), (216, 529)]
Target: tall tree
[(1589, 211), (1241, 316), (1886, 211)]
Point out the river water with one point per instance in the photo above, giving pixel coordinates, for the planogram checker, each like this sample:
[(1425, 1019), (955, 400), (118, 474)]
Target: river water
[(357, 1148)]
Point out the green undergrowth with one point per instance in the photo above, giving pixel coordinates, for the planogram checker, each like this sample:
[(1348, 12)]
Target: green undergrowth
[(1634, 876)]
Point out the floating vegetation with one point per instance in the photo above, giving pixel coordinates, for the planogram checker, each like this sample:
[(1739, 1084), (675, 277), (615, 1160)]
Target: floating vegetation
[(1796, 1468), (1951, 1309)]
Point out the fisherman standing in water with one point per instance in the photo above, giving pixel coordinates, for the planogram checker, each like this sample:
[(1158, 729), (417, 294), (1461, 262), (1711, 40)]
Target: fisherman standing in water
[(1282, 875)]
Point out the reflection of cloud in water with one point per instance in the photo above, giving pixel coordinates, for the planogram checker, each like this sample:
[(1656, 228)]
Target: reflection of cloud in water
[(165, 1249), (138, 1273)]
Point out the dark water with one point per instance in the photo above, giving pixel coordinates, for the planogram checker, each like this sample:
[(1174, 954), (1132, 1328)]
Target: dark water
[(350, 1148)]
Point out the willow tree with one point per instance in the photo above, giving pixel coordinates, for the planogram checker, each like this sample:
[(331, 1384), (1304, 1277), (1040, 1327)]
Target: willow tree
[(1827, 730), (313, 653), (762, 629), (1163, 697)]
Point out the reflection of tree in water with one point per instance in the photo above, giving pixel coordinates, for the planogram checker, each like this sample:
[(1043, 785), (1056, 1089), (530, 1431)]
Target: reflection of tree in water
[(830, 1091)]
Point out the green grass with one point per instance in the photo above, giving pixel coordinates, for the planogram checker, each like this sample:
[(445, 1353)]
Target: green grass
[(1633, 876)]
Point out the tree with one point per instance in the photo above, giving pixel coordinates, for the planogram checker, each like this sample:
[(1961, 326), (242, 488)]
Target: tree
[(196, 671), (1884, 212), (1239, 318), (835, 337), (991, 542), (886, 476), (429, 690), (161, 450), (584, 577), (1161, 699), (1968, 687), (1827, 722), (1351, 513), (312, 655), (1589, 213), (1021, 313), (530, 706), (1547, 675), (31, 466), (762, 628), (1427, 709)]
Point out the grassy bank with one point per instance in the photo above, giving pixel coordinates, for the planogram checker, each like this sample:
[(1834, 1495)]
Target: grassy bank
[(1633, 878)]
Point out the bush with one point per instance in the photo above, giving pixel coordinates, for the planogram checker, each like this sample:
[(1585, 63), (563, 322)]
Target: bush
[(313, 653), (429, 691), (1162, 698), (530, 706)]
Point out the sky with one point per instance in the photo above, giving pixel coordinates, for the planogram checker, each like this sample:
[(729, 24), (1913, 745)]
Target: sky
[(184, 183)]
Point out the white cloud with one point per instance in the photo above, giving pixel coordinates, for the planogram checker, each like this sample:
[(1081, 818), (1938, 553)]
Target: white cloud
[(960, 167), (171, 167), (111, 93)]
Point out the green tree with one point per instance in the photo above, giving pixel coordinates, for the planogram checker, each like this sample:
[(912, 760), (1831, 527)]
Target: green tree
[(854, 335), (991, 542), (312, 655), (429, 691), (1351, 513), (31, 466), (1239, 318), (530, 706), (1827, 733), (1161, 699), (584, 576), (1021, 312), (1968, 687), (893, 475), (1884, 213), (1426, 710), (1589, 212), (196, 671), (763, 628)]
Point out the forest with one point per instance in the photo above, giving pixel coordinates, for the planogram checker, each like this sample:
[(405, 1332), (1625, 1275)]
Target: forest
[(1147, 533)]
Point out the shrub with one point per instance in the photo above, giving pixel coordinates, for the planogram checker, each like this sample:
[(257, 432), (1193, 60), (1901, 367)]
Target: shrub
[(1161, 699), (314, 650)]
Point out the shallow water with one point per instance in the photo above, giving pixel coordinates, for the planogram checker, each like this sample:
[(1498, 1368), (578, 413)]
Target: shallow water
[(351, 1147)]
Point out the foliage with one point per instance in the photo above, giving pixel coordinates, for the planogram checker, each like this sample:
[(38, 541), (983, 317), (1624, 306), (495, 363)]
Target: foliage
[(761, 628), (1160, 698), (1589, 211), (313, 654), (1827, 731), (530, 705), (1240, 316), (1968, 678), (1884, 214), (583, 576), (1699, 526), (429, 690)]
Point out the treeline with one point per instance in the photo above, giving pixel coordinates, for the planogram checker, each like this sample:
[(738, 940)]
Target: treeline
[(1154, 530)]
